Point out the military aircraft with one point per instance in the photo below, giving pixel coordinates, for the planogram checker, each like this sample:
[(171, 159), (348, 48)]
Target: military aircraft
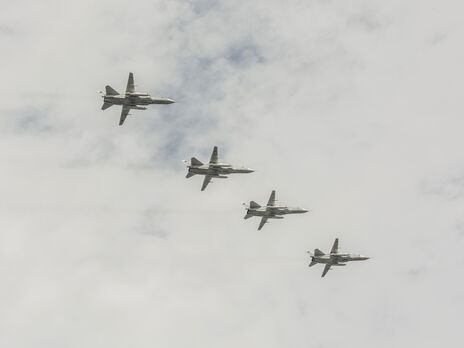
[(270, 211), (130, 100), (335, 258), (214, 169)]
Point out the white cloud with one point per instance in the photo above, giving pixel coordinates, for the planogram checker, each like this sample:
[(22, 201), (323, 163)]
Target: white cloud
[(351, 110)]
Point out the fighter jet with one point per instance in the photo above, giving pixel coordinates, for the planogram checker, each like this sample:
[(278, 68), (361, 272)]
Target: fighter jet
[(335, 258), (130, 100), (214, 169), (270, 211)]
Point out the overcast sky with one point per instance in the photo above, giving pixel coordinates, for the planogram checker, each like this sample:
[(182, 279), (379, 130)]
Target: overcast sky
[(350, 109)]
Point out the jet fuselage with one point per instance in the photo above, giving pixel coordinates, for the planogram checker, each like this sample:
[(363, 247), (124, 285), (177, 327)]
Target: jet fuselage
[(217, 170), (274, 211), (135, 99), (338, 259)]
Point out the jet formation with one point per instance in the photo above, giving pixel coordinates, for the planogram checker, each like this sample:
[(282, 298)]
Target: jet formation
[(335, 258), (270, 211), (217, 170), (214, 169), (130, 100)]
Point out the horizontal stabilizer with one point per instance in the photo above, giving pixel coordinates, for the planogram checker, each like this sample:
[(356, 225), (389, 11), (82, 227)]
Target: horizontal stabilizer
[(247, 216), (317, 252), (254, 205), (312, 263), (110, 91), (195, 162), (189, 175), (106, 106)]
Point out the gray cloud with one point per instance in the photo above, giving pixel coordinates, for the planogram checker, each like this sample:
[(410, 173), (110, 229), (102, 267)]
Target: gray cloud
[(340, 107)]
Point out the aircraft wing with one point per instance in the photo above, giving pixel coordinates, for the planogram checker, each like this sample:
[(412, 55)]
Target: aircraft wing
[(263, 221), (206, 182), (214, 156), (124, 113), (335, 247), (326, 269), (271, 201), (130, 84)]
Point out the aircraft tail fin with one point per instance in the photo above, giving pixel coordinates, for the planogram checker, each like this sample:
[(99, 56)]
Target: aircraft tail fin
[(317, 252), (254, 205), (106, 105), (195, 162), (189, 175), (312, 263), (110, 91)]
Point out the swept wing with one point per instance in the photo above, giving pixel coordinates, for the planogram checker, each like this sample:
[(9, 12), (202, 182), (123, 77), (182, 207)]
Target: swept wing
[(326, 269), (124, 113), (335, 247), (271, 201), (206, 182), (263, 221), (214, 156), (130, 84)]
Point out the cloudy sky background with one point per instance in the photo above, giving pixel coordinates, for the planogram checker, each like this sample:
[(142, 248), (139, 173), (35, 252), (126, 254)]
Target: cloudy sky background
[(353, 110)]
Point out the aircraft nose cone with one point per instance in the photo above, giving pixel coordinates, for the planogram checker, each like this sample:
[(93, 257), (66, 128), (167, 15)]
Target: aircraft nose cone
[(304, 210), (170, 101)]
